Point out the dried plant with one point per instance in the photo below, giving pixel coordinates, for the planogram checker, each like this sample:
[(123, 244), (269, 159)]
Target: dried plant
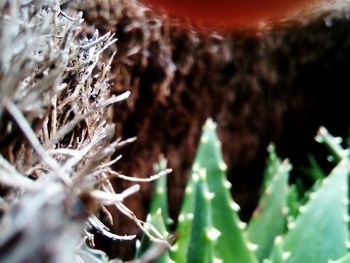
[(56, 140)]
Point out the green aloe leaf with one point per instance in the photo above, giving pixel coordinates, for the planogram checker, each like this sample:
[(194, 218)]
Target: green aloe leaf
[(332, 143), (158, 217), (156, 228), (160, 197), (320, 232), (203, 234), (293, 202), (277, 255), (315, 171), (273, 162), (232, 244), (183, 232), (269, 219), (344, 259)]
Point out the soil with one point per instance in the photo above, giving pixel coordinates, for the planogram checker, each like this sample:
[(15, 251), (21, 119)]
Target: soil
[(277, 83)]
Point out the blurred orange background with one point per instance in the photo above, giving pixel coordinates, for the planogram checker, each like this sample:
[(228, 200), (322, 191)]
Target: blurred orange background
[(234, 13)]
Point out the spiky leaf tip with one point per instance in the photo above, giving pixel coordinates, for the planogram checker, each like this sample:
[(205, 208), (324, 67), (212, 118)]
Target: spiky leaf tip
[(320, 232), (232, 245), (269, 219), (183, 232), (203, 234)]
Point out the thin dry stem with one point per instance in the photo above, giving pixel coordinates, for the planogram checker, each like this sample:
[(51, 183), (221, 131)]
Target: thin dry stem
[(142, 180)]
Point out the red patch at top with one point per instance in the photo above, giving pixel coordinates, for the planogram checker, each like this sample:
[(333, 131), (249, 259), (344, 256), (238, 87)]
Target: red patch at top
[(228, 13)]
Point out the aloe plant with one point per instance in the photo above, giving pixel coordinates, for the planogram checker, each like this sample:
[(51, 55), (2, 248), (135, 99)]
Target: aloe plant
[(232, 245), (230, 242), (203, 234), (286, 226), (269, 219), (158, 218), (320, 232), (180, 250), (344, 259), (160, 198)]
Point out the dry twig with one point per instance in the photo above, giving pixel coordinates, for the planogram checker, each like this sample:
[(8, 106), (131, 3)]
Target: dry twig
[(56, 144)]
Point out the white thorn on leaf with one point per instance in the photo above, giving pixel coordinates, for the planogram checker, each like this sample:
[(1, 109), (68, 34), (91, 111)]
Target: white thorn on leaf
[(278, 240), (195, 177), (217, 260), (209, 195), (252, 246), (204, 139), (268, 191), (337, 140), (227, 184), (302, 209), (189, 216), (235, 207), (175, 247), (188, 190), (285, 211), (181, 218), (330, 159), (286, 255), (195, 167), (312, 195), (242, 225), (160, 190), (346, 218), (222, 166), (347, 244), (213, 234), (138, 244), (325, 181), (291, 225), (149, 218), (210, 124), (203, 173)]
